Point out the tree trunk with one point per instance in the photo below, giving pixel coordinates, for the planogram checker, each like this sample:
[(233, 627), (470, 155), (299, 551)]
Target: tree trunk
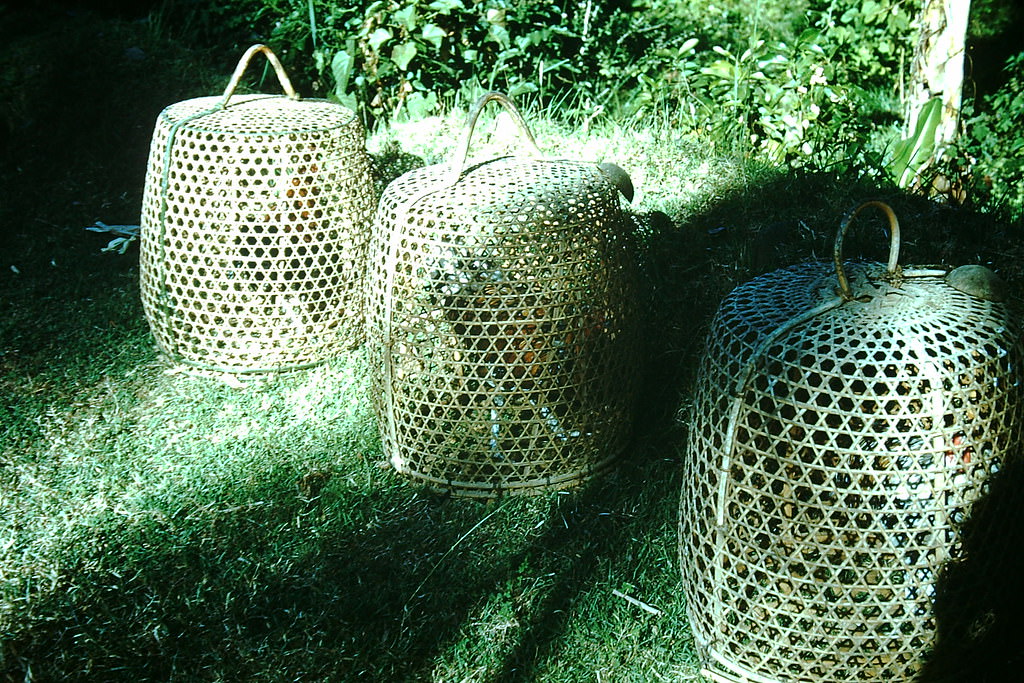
[(938, 69)]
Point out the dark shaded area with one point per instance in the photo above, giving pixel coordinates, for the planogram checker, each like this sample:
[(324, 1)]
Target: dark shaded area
[(793, 218), (690, 266), (80, 98), (994, 36), (980, 598), (235, 603)]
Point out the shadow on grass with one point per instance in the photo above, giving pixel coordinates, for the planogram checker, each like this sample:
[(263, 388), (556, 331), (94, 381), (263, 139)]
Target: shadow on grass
[(599, 537), (371, 581), (689, 269), (270, 587), (269, 580)]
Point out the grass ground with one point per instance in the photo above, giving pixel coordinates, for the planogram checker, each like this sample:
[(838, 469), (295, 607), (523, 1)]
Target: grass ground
[(160, 526)]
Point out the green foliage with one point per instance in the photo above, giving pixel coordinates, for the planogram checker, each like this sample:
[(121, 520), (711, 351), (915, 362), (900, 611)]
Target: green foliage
[(993, 142), (394, 55), (870, 41), (775, 97), (911, 155), (784, 81), (389, 57), (758, 77), (993, 18)]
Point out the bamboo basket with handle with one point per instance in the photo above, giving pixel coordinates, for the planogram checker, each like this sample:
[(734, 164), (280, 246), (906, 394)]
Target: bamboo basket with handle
[(255, 221), (847, 417), (501, 321)]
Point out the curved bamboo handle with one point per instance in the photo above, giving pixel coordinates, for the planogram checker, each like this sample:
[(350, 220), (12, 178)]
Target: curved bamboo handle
[(458, 162), (894, 245), (243, 64)]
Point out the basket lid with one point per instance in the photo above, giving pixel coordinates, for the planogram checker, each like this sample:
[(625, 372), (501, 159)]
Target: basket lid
[(859, 299), (533, 187), (258, 114)]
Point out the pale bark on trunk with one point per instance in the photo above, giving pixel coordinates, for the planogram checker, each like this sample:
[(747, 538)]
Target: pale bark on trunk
[(938, 67)]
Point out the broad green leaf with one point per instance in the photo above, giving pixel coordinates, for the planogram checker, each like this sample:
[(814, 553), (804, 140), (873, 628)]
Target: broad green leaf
[(406, 16), (434, 34), (402, 54), (910, 155), (445, 6), (420, 104), (809, 36), (776, 59), (522, 88), (341, 69), (379, 37), (499, 34), (720, 69)]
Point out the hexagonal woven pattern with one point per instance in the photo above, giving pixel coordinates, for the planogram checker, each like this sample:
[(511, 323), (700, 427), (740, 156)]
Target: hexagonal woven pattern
[(255, 222), (836, 447), (501, 325)]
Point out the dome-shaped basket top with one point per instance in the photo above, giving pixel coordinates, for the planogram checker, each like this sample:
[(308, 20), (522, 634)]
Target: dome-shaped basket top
[(875, 300), (523, 192)]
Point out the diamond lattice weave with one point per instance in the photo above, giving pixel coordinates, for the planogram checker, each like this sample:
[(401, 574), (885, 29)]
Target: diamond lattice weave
[(255, 221), (836, 448), (502, 326)]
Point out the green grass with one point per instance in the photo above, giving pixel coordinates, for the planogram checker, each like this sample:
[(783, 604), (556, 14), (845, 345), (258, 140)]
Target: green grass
[(161, 526), (174, 527)]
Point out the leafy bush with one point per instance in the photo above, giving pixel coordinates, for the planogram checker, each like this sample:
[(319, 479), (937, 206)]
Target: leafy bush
[(759, 78), (405, 56), (993, 142), (801, 83), (870, 41), (696, 63), (776, 98)]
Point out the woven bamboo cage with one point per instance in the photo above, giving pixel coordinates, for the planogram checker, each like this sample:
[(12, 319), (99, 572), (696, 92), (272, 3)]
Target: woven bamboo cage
[(846, 418), (501, 327), (255, 221)]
